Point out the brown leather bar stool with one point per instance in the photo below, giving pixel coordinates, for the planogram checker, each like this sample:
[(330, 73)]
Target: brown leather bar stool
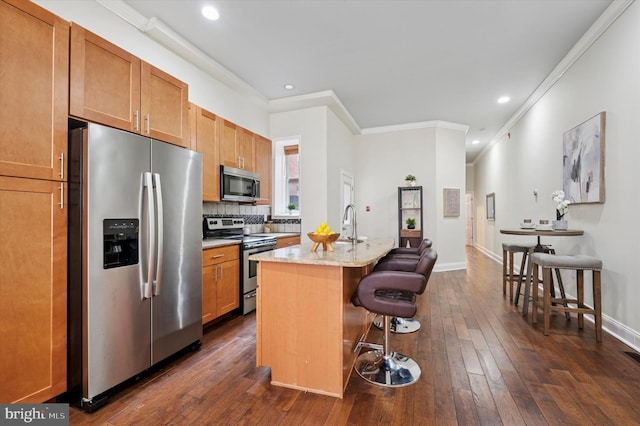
[(508, 274), (388, 293), (407, 253), (579, 263), (422, 265), (426, 243)]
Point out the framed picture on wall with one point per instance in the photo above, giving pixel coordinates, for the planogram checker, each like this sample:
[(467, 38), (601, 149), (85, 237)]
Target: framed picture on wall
[(491, 206), (583, 161), (451, 202)]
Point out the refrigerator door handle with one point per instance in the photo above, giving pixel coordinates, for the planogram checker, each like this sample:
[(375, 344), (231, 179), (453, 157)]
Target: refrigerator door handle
[(160, 246), (148, 183)]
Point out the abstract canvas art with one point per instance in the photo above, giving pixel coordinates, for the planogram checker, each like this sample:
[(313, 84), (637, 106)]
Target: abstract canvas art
[(583, 161)]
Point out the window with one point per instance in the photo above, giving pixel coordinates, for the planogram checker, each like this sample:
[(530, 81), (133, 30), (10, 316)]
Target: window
[(287, 178)]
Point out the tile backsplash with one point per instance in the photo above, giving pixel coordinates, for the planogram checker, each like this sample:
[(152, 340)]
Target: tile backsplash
[(254, 216)]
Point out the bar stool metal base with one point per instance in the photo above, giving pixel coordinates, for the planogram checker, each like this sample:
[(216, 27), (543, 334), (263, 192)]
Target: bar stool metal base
[(395, 370), (398, 325)]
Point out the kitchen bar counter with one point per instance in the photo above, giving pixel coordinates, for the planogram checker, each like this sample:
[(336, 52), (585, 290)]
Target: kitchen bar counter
[(306, 325), (343, 254)]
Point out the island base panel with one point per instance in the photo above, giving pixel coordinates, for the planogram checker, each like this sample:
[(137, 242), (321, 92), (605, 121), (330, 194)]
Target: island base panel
[(306, 325)]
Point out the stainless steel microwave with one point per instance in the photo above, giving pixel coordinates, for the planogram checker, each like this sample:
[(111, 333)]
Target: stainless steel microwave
[(239, 185)]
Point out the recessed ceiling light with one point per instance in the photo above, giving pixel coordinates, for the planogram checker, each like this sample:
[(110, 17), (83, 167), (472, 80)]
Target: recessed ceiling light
[(210, 13), (503, 99), (475, 142), (289, 86)]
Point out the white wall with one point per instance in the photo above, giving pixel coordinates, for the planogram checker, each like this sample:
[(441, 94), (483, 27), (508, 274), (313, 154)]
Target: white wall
[(340, 156), (204, 90), (311, 126), (436, 157), (450, 173), (605, 78)]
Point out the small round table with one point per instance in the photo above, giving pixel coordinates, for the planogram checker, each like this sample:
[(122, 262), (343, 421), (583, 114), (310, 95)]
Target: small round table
[(543, 233)]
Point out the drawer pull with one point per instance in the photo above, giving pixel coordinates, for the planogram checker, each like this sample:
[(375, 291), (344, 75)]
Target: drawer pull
[(217, 256)]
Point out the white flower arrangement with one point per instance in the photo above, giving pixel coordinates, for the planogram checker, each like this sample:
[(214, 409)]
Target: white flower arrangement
[(562, 205)]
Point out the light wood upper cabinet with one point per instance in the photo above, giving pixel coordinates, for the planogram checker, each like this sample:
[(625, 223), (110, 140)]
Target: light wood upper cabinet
[(33, 305), (206, 131), (164, 105), (237, 147), (246, 151), (34, 84), (263, 167), (229, 144), (113, 87), (110, 96)]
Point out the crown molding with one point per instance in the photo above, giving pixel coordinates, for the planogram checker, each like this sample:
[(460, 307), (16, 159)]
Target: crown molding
[(418, 125), (325, 98), (598, 28)]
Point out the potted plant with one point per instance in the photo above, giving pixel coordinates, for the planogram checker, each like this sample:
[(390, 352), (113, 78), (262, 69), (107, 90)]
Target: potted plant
[(410, 180), (411, 223), (291, 208)]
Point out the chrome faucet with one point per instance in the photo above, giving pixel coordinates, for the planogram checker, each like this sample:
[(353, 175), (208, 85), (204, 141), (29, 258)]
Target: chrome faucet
[(354, 224)]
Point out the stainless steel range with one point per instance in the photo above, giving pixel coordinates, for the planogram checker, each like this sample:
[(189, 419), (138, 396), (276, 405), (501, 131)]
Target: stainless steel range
[(232, 228)]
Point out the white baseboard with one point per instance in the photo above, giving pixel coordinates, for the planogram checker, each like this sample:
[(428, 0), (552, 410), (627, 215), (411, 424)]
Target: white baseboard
[(453, 266)]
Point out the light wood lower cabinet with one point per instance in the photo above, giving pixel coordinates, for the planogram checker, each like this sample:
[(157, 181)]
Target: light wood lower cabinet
[(287, 241), (33, 305), (220, 281)]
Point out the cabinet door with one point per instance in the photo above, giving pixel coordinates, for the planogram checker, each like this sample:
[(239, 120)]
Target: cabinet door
[(207, 141), (209, 293), (34, 83), (263, 168), (105, 82), (33, 306), (229, 136), (164, 104), (247, 150), (228, 287)]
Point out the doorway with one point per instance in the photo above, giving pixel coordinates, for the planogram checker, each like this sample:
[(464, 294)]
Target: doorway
[(468, 201)]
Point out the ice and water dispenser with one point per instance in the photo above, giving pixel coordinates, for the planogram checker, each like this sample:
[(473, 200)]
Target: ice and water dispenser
[(120, 242)]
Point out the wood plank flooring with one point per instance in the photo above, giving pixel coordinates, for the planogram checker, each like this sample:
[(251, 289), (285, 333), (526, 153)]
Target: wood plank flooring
[(482, 363)]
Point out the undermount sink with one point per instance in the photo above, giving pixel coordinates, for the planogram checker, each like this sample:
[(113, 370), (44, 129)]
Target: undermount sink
[(346, 241)]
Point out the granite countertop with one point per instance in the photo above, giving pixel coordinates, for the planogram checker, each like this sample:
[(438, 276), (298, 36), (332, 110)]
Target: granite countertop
[(218, 242), (221, 242), (343, 254)]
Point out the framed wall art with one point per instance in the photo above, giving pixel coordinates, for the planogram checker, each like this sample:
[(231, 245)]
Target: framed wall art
[(583, 161), (451, 202), (491, 206)]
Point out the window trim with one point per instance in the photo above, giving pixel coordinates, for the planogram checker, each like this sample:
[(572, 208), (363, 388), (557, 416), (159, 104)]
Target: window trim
[(278, 208)]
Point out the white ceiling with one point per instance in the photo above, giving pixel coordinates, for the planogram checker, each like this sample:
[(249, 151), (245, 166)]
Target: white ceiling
[(390, 63)]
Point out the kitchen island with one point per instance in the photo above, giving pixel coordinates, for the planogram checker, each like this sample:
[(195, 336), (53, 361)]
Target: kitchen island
[(306, 326)]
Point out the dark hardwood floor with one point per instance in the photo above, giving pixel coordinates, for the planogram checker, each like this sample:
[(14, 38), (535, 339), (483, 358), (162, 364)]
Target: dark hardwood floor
[(482, 363)]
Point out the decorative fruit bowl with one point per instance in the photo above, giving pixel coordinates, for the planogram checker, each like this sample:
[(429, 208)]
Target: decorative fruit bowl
[(325, 240)]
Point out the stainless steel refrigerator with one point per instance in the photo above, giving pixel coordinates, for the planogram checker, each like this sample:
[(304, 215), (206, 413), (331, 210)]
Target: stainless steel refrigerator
[(135, 256)]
